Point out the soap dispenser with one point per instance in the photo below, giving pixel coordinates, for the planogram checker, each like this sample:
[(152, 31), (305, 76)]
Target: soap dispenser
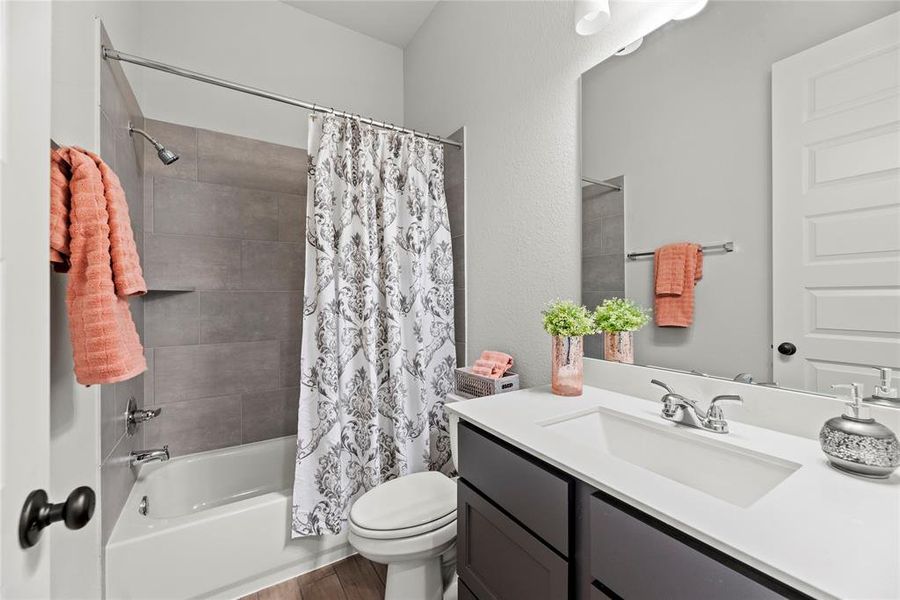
[(857, 443)]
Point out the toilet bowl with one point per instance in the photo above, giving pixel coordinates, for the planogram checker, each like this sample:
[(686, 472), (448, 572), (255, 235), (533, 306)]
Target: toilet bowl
[(409, 524)]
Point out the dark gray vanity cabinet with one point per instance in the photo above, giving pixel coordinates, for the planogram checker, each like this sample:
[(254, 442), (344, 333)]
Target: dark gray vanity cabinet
[(513, 522), (527, 531)]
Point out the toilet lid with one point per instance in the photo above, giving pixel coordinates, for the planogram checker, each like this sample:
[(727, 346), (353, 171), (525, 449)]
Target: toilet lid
[(409, 501)]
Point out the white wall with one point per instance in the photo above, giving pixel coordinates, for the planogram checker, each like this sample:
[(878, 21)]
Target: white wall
[(687, 120), (74, 408), (509, 72), (268, 45)]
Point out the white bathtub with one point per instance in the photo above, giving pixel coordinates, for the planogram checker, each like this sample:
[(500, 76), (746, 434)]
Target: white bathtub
[(218, 526)]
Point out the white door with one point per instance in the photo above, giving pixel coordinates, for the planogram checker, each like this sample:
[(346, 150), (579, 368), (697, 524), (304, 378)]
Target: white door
[(24, 288), (836, 209)]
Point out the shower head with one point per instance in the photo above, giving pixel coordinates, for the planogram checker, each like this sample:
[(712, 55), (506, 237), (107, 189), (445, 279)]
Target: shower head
[(166, 156)]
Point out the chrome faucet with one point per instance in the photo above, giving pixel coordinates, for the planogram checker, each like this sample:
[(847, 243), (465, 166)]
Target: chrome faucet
[(678, 409), (139, 457), (135, 416), (748, 378)]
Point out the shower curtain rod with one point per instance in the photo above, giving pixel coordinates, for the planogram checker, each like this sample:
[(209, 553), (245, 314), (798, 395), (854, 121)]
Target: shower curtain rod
[(109, 53), (603, 183)]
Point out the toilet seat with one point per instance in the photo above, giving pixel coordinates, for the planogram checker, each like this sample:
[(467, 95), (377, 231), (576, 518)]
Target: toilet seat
[(405, 507)]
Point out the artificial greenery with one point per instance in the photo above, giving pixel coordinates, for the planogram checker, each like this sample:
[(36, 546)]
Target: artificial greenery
[(620, 314), (565, 318)]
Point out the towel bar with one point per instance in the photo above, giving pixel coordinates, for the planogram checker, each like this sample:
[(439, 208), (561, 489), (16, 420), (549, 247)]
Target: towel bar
[(726, 246)]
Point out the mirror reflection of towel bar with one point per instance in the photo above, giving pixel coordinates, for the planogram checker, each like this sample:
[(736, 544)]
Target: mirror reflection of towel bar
[(725, 246)]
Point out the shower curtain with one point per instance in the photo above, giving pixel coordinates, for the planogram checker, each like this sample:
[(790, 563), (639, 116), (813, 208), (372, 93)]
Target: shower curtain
[(377, 355)]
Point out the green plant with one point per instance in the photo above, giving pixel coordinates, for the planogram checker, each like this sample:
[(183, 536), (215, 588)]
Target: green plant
[(620, 314), (565, 318)]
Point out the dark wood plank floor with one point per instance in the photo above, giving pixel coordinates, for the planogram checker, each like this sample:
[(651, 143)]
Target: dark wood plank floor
[(353, 578)]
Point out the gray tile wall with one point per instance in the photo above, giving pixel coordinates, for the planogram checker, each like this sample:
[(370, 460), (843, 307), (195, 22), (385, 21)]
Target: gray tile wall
[(225, 223), (124, 155), (602, 250), (455, 190), (224, 229)]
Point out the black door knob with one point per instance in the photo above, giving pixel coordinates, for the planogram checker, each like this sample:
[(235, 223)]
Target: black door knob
[(787, 348), (38, 513)]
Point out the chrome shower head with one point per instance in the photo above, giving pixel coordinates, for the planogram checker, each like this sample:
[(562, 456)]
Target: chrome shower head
[(166, 156)]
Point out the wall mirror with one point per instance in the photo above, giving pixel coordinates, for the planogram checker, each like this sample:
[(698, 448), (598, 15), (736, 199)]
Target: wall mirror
[(773, 127)]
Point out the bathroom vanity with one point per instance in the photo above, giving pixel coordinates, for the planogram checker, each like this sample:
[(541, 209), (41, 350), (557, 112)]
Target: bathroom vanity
[(597, 497)]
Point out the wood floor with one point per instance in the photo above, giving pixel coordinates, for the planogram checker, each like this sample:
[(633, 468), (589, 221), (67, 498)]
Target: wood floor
[(353, 578)]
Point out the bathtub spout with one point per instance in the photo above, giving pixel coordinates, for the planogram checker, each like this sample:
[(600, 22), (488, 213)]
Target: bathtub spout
[(139, 457)]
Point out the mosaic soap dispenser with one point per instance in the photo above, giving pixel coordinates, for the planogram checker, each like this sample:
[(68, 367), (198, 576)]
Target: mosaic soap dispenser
[(856, 443)]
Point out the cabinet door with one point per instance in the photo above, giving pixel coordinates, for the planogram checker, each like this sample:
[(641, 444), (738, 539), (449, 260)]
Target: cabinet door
[(500, 560)]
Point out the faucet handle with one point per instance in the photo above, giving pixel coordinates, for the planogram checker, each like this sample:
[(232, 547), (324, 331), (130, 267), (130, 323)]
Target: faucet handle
[(884, 389), (726, 398), (715, 414), (662, 385)]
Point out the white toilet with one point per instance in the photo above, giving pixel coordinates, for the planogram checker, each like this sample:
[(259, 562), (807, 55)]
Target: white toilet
[(409, 524)]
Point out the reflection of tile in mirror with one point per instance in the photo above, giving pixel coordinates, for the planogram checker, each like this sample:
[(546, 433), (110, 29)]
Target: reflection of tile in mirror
[(602, 250)]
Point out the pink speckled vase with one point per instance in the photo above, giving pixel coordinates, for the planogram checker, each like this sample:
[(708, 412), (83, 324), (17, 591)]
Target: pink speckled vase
[(567, 376), (618, 346)]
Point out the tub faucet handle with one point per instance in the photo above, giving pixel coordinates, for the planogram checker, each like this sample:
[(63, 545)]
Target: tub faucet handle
[(135, 416)]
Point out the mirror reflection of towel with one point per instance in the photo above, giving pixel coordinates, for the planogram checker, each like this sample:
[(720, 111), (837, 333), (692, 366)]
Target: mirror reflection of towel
[(676, 270)]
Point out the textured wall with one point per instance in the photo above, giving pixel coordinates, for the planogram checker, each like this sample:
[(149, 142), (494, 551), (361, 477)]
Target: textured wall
[(691, 131), (509, 72)]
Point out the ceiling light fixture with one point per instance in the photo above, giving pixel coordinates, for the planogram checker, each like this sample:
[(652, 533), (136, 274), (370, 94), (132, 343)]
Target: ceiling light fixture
[(591, 16), (630, 47), (691, 8)]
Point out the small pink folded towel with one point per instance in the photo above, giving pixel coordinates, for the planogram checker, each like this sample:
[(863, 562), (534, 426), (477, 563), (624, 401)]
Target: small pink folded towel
[(493, 364)]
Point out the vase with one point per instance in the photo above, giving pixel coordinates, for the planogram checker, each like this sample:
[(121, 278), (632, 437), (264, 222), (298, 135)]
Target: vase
[(618, 346), (567, 378)]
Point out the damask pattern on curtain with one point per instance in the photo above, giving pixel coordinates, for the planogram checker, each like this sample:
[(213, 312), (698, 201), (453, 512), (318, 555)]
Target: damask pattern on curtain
[(377, 354)]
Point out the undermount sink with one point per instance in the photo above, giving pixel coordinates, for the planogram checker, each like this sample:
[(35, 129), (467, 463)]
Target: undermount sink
[(738, 476)]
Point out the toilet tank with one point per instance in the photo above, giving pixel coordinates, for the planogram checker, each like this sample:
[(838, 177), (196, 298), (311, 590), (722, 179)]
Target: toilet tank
[(453, 425)]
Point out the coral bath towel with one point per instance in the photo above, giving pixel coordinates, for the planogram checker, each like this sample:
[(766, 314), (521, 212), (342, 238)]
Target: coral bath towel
[(92, 240), (676, 270)]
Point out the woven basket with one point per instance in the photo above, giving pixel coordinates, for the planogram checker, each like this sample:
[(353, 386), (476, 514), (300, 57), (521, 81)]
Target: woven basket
[(475, 385)]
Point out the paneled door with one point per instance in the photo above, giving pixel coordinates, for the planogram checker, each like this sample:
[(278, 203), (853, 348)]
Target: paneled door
[(24, 288), (836, 209)]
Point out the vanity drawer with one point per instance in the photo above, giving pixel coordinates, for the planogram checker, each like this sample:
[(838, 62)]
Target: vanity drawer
[(499, 560), (537, 497), (637, 557)]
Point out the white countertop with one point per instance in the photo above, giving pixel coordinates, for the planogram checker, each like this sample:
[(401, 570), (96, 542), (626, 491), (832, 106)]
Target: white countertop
[(820, 531)]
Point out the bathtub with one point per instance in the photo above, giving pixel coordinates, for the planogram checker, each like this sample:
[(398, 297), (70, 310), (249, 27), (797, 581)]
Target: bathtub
[(217, 526)]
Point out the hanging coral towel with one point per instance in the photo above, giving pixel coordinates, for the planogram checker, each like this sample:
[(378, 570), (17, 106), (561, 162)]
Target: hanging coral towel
[(91, 239), (676, 270)]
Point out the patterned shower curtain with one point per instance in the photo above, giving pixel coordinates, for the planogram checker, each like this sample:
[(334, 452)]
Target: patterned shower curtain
[(377, 355)]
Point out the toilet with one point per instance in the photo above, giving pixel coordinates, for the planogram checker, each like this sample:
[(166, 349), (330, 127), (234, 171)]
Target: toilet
[(409, 524)]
